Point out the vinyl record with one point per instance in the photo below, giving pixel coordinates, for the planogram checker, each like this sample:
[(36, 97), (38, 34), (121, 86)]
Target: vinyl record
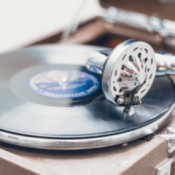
[(50, 101)]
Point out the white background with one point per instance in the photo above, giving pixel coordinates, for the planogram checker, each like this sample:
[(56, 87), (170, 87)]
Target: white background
[(25, 21)]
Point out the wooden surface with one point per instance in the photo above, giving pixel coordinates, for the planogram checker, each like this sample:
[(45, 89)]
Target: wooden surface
[(149, 7)]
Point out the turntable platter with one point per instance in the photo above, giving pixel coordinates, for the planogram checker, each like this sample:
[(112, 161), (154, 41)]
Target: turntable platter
[(50, 101)]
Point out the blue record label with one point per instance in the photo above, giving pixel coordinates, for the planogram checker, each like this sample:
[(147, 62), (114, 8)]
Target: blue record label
[(65, 84)]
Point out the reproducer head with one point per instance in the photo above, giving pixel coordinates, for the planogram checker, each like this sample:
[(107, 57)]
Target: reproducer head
[(127, 72)]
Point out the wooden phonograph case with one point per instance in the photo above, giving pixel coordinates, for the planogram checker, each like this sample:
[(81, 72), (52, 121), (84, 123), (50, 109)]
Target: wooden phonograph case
[(55, 110)]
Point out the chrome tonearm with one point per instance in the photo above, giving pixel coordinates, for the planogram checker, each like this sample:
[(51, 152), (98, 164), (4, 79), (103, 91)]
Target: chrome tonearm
[(128, 71), (164, 27)]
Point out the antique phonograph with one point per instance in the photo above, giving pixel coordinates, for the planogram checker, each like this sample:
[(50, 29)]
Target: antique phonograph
[(75, 97), (96, 97), (66, 104)]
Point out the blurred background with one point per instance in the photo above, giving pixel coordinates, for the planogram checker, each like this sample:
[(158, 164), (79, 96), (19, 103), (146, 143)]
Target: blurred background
[(25, 21), (96, 22)]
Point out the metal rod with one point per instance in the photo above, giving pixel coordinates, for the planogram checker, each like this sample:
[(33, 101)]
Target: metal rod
[(152, 23), (72, 27), (165, 62)]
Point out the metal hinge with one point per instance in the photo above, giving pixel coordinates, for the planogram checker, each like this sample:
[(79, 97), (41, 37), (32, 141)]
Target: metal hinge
[(170, 137), (164, 168)]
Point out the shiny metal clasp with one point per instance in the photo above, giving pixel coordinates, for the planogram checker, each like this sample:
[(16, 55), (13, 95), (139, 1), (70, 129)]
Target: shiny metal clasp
[(170, 137)]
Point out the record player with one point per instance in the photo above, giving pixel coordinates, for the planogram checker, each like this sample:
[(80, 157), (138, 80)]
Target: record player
[(103, 109)]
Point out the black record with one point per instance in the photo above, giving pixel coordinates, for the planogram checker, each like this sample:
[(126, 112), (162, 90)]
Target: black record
[(47, 93)]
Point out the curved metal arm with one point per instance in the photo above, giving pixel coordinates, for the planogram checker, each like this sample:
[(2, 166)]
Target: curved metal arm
[(97, 60), (164, 27), (165, 62)]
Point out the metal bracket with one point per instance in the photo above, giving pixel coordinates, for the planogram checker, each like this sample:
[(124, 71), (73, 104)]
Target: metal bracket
[(165, 168), (170, 137), (171, 141)]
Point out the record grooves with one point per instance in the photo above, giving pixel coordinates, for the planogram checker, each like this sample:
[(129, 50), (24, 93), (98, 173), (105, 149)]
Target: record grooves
[(50, 101)]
